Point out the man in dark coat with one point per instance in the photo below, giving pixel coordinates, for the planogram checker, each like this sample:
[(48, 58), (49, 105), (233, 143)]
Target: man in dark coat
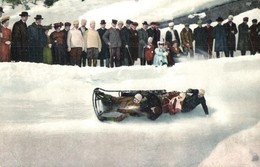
[(19, 47), (155, 33), (66, 31), (1, 12), (200, 37), (187, 40), (231, 36), (134, 42), (209, 30), (253, 36), (143, 38), (194, 98), (220, 35), (37, 40), (104, 54), (125, 38), (243, 37), (172, 35)]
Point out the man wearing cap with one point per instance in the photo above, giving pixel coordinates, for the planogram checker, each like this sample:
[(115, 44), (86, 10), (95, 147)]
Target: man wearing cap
[(253, 36), (75, 44), (104, 54), (5, 41), (187, 40), (19, 47), (194, 97), (172, 35), (66, 31), (37, 40), (243, 37), (93, 44), (143, 38), (220, 35), (155, 33), (231, 28), (58, 45), (209, 30), (83, 28), (125, 34), (134, 42), (200, 37), (112, 39)]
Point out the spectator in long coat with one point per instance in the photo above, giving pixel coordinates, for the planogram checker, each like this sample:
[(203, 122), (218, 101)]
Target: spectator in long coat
[(243, 37), (58, 45), (220, 35), (104, 54), (47, 55), (231, 36), (209, 30), (1, 13), (5, 41), (134, 42), (75, 43), (37, 40), (172, 35), (200, 37), (258, 37), (66, 31), (19, 47), (187, 40), (112, 38), (155, 33), (253, 36), (125, 34), (143, 38)]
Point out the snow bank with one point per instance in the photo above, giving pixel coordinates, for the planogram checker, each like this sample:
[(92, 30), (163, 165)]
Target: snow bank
[(241, 149)]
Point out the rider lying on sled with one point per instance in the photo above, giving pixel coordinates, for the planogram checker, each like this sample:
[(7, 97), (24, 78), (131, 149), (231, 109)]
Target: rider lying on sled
[(151, 105)]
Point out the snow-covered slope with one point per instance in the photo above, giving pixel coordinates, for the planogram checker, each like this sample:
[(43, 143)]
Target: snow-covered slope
[(46, 114)]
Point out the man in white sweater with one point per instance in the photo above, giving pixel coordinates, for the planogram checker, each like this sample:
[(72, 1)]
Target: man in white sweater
[(92, 44), (75, 44)]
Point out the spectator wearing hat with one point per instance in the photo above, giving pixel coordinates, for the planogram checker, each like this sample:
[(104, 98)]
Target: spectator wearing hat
[(19, 47), (220, 35), (200, 38), (258, 37), (5, 41), (92, 43), (1, 12), (83, 28), (112, 39), (209, 30), (104, 54), (253, 36), (187, 40), (143, 37), (37, 40), (172, 35), (243, 37), (75, 44), (47, 54), (125, 34), (134, 42), (149, 51), (58, 48), (231, 28), (160, 57), (155, 33), (66, 31)]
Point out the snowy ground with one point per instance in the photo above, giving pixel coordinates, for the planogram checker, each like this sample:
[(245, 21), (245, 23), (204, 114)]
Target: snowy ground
[(46, 116), (47, 119)]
